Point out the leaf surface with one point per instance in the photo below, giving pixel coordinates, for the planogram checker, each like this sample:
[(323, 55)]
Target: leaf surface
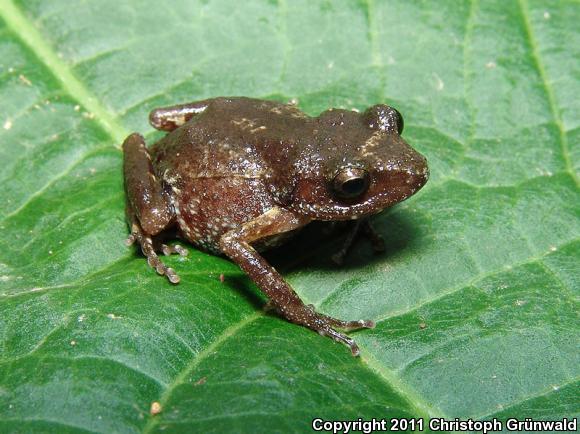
[(476, 297)]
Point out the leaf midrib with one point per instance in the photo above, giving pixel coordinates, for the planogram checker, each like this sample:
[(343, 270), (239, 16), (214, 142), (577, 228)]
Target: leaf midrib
[(32, 38)]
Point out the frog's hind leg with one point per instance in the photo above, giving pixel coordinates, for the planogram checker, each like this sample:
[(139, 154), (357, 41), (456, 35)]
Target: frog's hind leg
[(236, 244), (148, 209), (172, 117)]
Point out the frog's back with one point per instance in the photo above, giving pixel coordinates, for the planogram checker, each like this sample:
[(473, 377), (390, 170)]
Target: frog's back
[(219, 165), (230, 139)]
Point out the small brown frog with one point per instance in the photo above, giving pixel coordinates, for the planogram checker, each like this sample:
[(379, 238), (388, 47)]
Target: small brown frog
[(236, 175)]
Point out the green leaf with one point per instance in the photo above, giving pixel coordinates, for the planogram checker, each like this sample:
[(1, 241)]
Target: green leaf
[(476, 298)]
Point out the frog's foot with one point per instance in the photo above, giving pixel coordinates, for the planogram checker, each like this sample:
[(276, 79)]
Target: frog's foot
[(342, 338), (359, 227), (174, 249), (339, 337), (148, 250), (325, 326)]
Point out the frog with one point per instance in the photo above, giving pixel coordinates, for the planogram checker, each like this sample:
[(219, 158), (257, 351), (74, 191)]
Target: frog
[(235, 176)]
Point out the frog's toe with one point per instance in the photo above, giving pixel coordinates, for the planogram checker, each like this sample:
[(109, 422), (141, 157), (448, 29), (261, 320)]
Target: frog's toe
[(342, 338), (338, 257), (172, 275), (148, 250), (325, 325), (349, 325), (174, 249), (355, 325), (161, 269), (367, 323), (379, 246)]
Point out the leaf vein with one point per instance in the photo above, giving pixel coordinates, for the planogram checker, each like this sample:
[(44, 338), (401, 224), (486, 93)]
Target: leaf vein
[(523, 4), (53, 181), (196, 360), (36, 42), (463, 285), (542, 394)]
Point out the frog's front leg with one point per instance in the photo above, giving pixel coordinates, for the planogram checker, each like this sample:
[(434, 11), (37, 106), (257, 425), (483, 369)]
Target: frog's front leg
[(172, 117), (236, 244), (358, 227), (148, 208)]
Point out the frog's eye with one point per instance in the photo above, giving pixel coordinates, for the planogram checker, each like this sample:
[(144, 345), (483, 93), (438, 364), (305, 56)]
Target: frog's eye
[(385, 118), (350, 182), (400, 122)]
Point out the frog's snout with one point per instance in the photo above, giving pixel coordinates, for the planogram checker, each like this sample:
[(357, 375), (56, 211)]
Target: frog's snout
[(422, 174), (408, 177)]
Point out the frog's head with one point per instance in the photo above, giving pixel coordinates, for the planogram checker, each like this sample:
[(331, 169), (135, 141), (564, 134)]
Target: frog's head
[(358, 165)]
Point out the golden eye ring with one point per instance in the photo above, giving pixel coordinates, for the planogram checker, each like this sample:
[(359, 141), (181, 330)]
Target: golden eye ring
[(350, 182)]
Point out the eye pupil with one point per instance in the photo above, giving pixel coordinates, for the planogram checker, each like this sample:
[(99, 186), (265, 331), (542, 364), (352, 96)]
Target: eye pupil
[(353, 186), (350, 183)]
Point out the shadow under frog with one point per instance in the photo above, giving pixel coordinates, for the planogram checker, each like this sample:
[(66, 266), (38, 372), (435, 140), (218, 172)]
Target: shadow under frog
[(317, 246), (236, 176)]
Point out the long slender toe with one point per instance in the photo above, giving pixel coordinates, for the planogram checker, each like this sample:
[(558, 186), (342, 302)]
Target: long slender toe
[(348, 325), (174, 249), (368, 324), (172, 276), (339, 337), (182, 251), (148, 250)]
